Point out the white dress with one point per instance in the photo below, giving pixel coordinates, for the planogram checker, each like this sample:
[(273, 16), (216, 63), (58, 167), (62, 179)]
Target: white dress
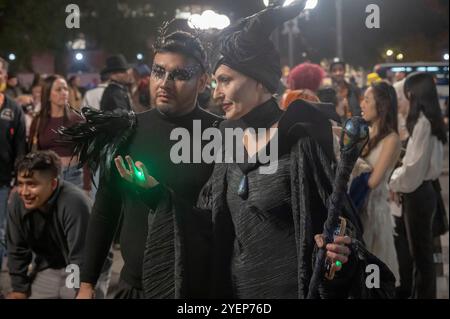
[(377, 218)]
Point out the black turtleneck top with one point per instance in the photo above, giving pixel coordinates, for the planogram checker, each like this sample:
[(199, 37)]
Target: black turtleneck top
[(263, 262), (263, 116), (151, 145)]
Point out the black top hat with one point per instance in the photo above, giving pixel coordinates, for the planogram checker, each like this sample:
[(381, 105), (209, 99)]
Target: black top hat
[(116, 63)]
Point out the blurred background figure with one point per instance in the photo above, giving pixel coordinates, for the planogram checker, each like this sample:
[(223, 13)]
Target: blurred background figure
[(93, 96), (399, 76), (117, 93), (373, 78), (31, 105), (140, 89), (403, 109), (75, 96), (92, 99), (12, 147), (43, 133), (412, 182), (13, 88), (348, 95), (303, 82)]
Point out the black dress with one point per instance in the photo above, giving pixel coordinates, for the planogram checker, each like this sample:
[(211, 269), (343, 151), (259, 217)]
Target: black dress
[(259, 243), (263, 221)]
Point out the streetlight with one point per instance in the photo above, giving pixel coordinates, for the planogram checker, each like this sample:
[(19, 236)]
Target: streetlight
[(339, 30), (79, 56), (310, 4), (445, 56), (208, 20), (139, 56), (389, 53), (400, 57), (11, 57)]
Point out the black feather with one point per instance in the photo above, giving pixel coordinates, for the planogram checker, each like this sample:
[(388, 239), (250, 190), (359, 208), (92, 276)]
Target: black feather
[(98, 138)]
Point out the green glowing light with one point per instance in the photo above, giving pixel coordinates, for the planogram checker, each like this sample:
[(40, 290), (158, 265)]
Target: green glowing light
[(139, 175), (338, 263)]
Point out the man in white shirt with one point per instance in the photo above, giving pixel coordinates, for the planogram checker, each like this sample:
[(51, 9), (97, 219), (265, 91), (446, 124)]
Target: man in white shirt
[(93, 97)]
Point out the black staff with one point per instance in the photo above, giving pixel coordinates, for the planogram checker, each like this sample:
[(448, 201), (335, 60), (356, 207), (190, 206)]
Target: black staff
[(355, 135)]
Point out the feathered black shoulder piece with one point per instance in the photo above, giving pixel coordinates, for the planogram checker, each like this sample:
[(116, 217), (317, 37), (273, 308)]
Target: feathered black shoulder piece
[(97, 139)]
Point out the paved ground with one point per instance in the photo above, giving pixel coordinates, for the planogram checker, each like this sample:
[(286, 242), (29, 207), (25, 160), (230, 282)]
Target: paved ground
[(442, 280)]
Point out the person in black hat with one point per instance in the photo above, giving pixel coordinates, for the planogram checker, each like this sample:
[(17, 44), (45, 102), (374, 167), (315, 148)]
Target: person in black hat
[(348, 95), (117, 94), (264, 220)]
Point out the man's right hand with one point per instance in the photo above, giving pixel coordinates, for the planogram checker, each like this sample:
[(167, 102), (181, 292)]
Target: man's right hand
[(86, 291), (17, 295), (136, 173)]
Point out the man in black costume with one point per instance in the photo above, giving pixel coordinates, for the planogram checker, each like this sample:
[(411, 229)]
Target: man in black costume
[(264, 225), (178, 75)]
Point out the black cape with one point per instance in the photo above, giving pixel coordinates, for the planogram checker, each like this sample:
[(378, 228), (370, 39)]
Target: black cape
[(198, 246)]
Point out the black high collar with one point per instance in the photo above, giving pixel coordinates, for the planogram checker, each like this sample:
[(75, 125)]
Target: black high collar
[(185, 120), (263, 116)]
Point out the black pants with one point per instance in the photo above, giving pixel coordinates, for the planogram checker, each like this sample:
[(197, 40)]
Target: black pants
[(414, 243)]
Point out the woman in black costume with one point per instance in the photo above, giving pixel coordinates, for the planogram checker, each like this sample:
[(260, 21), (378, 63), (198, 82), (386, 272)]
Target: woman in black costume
[(264, 226)]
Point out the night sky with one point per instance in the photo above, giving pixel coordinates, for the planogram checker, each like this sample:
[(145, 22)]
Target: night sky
[(400, 19), (416, 28)]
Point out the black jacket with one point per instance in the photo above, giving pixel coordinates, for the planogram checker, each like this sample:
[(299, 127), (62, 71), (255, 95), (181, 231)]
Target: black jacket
[(189, 249), (56, 237), (12, 138), (116, 96)]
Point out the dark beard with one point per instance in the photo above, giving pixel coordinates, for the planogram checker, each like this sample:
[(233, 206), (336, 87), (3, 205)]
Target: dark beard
[(166, 109)]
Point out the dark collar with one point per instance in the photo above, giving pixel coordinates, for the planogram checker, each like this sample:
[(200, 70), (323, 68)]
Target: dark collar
[(263, 116), (183, 120), (51, 203)]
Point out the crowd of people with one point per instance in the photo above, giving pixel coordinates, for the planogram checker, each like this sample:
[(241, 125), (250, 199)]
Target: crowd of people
[(195, 230)]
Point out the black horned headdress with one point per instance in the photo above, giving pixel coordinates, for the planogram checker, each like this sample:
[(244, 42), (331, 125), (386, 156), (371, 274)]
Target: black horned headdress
[(247, 48)]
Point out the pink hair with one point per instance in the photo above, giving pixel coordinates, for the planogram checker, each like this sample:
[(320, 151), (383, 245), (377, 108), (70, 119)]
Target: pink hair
[(306, 76)]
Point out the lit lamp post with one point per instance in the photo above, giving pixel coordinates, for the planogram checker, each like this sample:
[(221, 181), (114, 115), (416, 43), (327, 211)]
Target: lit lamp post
[(400, 57), (339, 32), (208, 20), (389, 55), (79, 56)]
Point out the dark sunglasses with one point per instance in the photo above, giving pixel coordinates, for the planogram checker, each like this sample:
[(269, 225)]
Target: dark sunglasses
[(158, 72)]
